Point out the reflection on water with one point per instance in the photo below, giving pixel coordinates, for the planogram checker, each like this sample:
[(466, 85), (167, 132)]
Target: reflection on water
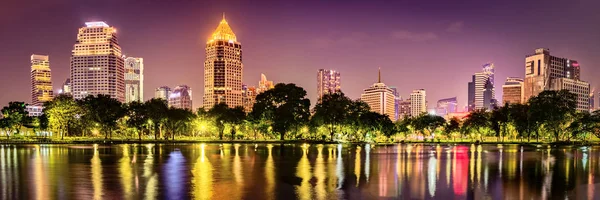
[(277, 171)]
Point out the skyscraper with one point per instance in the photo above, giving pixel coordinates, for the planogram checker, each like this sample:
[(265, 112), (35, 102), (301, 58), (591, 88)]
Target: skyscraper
[(248, 97), (328, 82), (482, 94), (397, 100), (41, 80), (162, 92), (264, 84), (546, 72), (96, 63), (418, 102), (380, 98), (181, 97), (223, 68), (134, 79), (446, 106), (512, 91)]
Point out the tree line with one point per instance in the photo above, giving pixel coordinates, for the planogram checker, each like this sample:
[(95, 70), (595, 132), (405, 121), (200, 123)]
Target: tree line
[(284, 113)]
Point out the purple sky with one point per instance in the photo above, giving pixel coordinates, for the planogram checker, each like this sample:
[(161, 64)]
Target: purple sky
[(432, 44)]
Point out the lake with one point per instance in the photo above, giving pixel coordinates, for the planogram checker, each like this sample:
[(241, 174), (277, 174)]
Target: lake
[(298, 171)]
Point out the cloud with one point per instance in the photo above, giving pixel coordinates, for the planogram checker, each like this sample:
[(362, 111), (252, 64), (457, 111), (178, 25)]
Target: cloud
[(455, 27), (414, 36), (338, 39)]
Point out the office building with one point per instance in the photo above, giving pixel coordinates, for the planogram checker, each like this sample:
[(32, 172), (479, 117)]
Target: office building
[(580, 88), (162, 92), (264, 84), (546, 72), (328, 82), (482, 94), (397, 100), (418, 102), (181, 97), (223, 68), (134, 79), (404, 109), (380, 98), (248, 97), (34, 111), (96, 63), (446, 106), (41, 80), (592, 101), (512, 91), (66, 87)]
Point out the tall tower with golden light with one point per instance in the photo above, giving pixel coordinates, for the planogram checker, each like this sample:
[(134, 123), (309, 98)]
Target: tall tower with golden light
[(223, 68), (41, 80)]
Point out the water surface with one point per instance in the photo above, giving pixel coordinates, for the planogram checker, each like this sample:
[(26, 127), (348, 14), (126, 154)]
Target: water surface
[(296, 171)]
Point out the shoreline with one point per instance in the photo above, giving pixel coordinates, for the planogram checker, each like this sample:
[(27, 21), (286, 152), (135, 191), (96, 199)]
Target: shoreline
[(184, 141)]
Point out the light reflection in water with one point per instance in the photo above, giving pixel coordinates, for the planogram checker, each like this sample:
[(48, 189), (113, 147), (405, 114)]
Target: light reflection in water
[(270, 174), (339, 167), (202, 182), (357, 164), (431, 175), (367, 161), (125, 172), (303, 171), (174, 172), (97, 173), (319, 174), (149, 174)]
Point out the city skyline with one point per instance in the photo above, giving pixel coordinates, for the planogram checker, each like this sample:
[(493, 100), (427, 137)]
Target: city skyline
[(340, 49)]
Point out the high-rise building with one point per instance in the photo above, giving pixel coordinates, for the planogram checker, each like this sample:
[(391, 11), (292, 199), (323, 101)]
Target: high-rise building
[(592, 101), (380, 98), (162, 92), (248, 97), (96, 63), (512, 91), (404, 111), (546, 72), (418, 102), (397, 100), (66, 87), (41, 80), (181, 97), (482, 94), (264, 84), (580, 88), (134, 79), (446, 106), (328, 82), (223, 68)]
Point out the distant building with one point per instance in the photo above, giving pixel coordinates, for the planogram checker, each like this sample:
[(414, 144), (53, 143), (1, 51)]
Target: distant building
[(512, 91), (223, 68), (248, 97), (482, 94), (580, 88), (96, 63), (41, 80), (397, 100), (418, 102), (380, 98), (162, 93), (471, 97), (181, 97), (592, 101), (546, 72), (446, 106), (328, 82), (66, 87), (404, 111), (134, 79), (264, 84), (34, 111)]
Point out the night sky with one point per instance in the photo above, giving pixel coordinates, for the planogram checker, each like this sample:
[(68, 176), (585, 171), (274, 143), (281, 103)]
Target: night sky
[(432, 44)]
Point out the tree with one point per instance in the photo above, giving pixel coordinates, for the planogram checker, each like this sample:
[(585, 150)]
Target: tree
[(499, 121), (428, 122), (219, 113), (452, 126), (519, 116), (333, 110), (374, 122), (15, 116), (285, 106), (177, 121), (62, 111), (477, 120), (355, 110), (137, 117), (103, 110), (157, 114), (552, 109)]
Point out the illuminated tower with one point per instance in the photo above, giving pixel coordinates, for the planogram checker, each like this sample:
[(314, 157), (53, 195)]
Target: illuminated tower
[(418, 102), (223, 68), (328, 81), (181, 97), (380, 99), (41, 82), (264, 84), (96, 63), (134, 79)]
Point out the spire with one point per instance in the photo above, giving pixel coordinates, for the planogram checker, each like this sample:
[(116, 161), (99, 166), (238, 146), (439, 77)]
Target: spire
[(223, 32), (379, 77)]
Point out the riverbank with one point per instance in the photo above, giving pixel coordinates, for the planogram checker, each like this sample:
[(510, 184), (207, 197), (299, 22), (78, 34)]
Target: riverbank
[(191, 141)]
